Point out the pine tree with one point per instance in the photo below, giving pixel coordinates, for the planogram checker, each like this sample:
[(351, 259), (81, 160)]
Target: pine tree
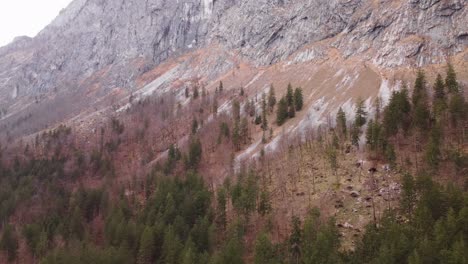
[(361, 113), (378, 108), (282, 112), (355, 133), (420, 90), (298, 99), (341, 122), (236, 137), (451, 80), (244, 130), (9, 242), (458, 109), (421, 112), (195, 153), (264, 251), (433, 148), (264, 113), (295, 240), (221, 87), (147, 246), (264, 205), (236, 111), (195, 92), (194, 126), (221, 208), (271, 98), (408, 196), (439, 103), (290, 95), (215, 106), (171, 247)]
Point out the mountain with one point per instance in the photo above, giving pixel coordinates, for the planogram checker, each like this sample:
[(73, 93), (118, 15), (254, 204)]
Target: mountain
[(237, 131), (96, 53)]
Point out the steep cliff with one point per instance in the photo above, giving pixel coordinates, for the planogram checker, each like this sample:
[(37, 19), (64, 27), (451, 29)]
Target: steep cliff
[(97, 46)]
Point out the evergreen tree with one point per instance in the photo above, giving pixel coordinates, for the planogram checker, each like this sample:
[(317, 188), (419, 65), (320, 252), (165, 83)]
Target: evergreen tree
[(221, 87), (271, 98), (458, 109), (298, 99), (242, 91), (264, 205), (147, 246), (171, 247), (451, 80), (433, 148), (264, 250), (408, 196), (421, 112), (195, 92), (236, 136), (290, 95), (9, 242), (361, 113), (194, 154), (341, 122), (194, 126), (295, 240), (420, 90), (264, 113), (244, 130), (236, 111), (282, 112), (221, 208), (355, 133), (215, 106), (397, 113), (439, 103)]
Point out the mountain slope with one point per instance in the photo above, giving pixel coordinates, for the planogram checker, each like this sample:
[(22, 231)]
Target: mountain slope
[(96, 48)]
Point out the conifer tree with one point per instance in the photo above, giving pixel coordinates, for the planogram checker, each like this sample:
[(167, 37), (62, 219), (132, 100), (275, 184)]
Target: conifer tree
[(420, 89), (9, 242), (195, 92), (408, 196), (451, 80), (221, 207), (341, 122), (421, 112), (458, 109), (282, 112), (221, 87), (290, 95), (295, 240), (298, 99), (433, 148), (147, 246), (264, 250), (439, 103), (244, 130), (264, 113), (361, 113), (271, 98)]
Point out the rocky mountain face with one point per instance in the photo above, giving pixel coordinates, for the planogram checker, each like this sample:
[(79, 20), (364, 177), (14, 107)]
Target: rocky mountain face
[(97, 47)]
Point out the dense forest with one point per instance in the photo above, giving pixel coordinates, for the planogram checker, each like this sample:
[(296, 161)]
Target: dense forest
[(173, 215)]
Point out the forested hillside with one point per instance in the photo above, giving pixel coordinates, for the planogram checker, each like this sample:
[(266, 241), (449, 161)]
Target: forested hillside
[(102, 198)]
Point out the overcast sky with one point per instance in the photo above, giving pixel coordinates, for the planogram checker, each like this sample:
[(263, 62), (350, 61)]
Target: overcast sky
[(26, 17)]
